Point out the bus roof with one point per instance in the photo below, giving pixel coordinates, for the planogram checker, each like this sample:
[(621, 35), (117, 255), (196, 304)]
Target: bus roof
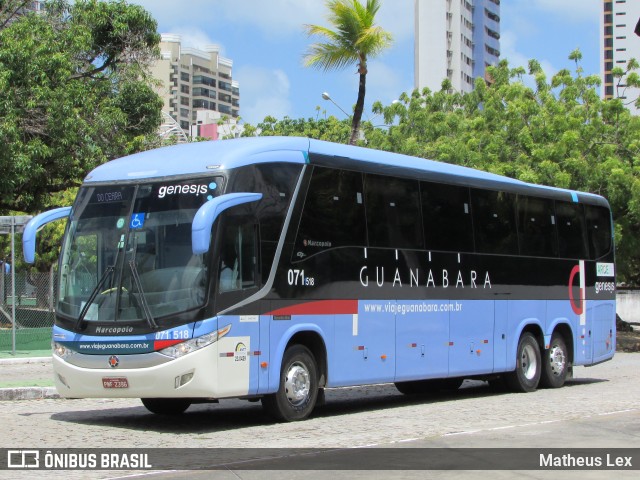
[(203, 158)]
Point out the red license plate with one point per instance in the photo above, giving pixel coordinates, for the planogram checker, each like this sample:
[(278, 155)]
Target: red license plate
[(115, 382)]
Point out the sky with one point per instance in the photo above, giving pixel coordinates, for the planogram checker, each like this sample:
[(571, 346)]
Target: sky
[(266, 41)]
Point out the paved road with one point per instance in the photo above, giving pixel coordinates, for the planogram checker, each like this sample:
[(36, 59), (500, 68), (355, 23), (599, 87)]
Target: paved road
[(598, 408)]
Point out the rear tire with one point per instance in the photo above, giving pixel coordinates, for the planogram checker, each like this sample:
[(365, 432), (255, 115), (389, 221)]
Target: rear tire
[(166, 406), (555, 363), (526, 376), (298, 391)]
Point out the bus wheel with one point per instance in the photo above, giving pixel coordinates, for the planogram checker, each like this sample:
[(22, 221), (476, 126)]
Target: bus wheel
[(296, 397), (166, 406), (526, 376), (555, 363)]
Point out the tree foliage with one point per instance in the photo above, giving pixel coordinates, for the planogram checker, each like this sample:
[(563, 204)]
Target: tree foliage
[(329, 129), (75, 94), (556, 132), (354, 39)]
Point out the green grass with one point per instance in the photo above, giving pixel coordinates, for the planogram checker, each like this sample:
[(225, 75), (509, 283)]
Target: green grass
[(27, 340), (32, 383)]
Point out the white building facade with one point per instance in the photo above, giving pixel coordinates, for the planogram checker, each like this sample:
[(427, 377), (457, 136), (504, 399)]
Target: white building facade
[(455, 40), (618, 45), (193, 81)]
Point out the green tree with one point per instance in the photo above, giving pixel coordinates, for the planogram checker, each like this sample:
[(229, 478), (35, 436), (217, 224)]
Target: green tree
[(329, 129), (76, 93), (354, 39)]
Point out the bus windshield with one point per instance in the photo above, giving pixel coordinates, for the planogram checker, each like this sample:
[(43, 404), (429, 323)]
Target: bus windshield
[(127, 255)]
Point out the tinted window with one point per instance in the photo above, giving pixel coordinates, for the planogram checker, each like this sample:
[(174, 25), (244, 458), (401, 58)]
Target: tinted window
[(238, 262), (276, 182), (536, 227), (333, 214), (494, 222), (447, 217), (599, 228), (393, 212), (571, 230)]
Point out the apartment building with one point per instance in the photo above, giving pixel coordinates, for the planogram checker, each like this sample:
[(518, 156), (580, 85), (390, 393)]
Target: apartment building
[(455, 40), (618, 45), (195, 84)]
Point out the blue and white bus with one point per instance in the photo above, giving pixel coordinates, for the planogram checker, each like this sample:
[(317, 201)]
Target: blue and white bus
[(273, 268)]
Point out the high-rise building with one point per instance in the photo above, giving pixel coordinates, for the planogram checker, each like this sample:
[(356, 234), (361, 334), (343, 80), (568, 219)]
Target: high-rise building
[(194, 81), (618, 45), (455, 40), (12, 11)]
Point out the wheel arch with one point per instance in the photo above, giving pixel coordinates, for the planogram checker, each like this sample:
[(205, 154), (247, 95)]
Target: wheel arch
[(311, 337), (564, 329), (531, 326)]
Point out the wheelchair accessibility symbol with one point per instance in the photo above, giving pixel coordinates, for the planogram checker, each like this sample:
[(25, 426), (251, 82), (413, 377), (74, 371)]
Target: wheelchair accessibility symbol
[(137, 220)]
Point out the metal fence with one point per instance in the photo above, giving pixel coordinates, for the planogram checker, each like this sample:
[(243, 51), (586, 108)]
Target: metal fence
[(26, 318)]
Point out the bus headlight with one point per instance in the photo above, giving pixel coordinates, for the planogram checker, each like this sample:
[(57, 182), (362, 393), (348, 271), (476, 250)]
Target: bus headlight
[(181, 349), (61, 351)]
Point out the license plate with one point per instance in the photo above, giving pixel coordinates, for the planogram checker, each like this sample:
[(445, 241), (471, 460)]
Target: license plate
[(115, 382)]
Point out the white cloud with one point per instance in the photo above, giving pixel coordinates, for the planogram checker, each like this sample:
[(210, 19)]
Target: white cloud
[(548, 30), (396, 16), (194, 38), (273, 17), (509, 52), (383, 83), (263, 92)]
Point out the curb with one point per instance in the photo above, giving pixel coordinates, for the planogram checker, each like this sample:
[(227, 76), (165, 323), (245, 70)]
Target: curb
[(28, 393), (16, 361)]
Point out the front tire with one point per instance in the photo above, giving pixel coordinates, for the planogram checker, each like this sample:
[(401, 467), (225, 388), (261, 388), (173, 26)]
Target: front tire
[(166, 406), (298, 391), (555, 363), (526, 376)]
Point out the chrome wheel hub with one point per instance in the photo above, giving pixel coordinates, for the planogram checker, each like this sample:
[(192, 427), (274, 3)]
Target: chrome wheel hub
[(528, 362), (557, 360), (297, 384)]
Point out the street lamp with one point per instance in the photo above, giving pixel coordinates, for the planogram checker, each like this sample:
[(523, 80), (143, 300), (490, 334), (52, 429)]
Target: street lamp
[(326, 96)]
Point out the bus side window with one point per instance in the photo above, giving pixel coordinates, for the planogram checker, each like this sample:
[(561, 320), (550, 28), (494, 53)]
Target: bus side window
[(599, 230), (571, 230), (536, 227), (393, 212), (447, 217), (238, 259), (333, 214), (494, 222)]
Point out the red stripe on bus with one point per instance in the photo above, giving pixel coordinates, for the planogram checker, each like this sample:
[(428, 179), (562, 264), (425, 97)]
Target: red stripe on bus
[(321, 307), (160, 344)]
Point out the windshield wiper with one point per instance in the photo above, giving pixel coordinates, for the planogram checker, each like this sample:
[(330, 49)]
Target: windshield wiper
[(109, 270), (143, 300)]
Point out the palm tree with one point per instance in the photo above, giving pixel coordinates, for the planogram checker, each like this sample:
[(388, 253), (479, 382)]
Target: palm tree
[(353, 39)]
